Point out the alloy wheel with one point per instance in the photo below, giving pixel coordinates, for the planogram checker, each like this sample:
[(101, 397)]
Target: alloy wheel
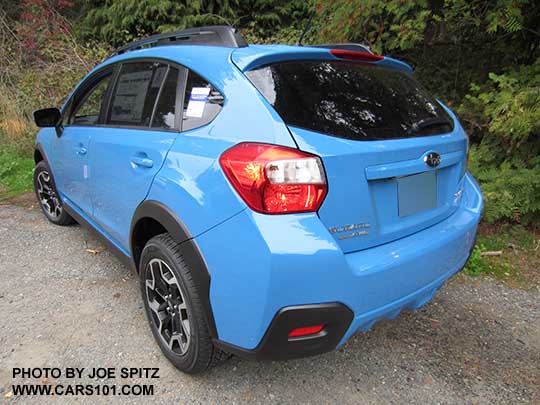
[(47, 196), (168, 306)]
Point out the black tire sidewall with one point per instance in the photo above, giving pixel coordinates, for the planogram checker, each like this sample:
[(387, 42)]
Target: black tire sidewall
[(157, 250), (64, 218)]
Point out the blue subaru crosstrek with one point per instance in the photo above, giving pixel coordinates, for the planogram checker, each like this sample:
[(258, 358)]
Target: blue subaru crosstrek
[(274, 199)]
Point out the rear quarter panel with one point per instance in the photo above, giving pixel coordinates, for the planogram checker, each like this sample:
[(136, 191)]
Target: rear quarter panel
[(191, 182)]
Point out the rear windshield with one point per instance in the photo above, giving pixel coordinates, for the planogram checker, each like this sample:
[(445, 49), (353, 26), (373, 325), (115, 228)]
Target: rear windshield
[(350, 100)]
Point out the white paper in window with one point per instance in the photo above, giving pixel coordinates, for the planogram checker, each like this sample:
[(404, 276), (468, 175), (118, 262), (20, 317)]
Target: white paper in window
[(197, 101), (129, 99)]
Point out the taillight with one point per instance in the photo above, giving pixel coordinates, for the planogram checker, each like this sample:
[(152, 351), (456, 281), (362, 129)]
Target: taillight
[(275, 179), (356, 55)]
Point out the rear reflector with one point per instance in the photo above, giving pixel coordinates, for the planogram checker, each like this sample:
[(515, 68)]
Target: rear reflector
[(275, 179), (356, 55), (306, 331)]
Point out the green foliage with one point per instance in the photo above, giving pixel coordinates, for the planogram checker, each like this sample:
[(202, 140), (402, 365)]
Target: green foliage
[(400, 25), (477, 264), (504, 117), (385, 25), (511, 192), (15, 173), (517, 256), (261, 21), (508, 105), (120, 21), (450, 43), (272, 21), (41, 66)]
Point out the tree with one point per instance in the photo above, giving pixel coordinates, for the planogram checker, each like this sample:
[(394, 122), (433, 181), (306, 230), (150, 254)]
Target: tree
[(119, 21), (272, 21)]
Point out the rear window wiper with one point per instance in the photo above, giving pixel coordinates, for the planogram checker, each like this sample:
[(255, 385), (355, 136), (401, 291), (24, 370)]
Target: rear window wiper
[(428, 122)]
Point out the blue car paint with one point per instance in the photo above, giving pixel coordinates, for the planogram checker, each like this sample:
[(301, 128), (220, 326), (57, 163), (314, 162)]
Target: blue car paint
[(254, 56), (116, 193), (277, 261), (70, 156), (367, 195), (191, 182), (259, 263), (118, 179)]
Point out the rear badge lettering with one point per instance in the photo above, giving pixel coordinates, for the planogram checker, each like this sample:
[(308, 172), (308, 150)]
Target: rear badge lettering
[(351, 227), (353, 235)]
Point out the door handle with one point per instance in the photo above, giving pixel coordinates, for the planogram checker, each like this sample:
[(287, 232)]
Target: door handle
[(142, 161), (81, 150)]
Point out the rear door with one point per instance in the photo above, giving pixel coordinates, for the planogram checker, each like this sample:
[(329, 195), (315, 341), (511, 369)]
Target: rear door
[(394, 157), (142, 123)]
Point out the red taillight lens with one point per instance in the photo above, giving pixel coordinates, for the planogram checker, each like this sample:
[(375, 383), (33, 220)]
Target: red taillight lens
[(275, 179), (306, 331), (356, 55)]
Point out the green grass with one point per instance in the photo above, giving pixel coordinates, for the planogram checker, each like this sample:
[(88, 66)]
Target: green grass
[(519, 262), (15, 173)]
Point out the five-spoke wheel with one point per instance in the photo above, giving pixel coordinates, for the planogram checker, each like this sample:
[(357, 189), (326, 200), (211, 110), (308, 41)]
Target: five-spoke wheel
[(173, 306), (48, 197), (168, 305)]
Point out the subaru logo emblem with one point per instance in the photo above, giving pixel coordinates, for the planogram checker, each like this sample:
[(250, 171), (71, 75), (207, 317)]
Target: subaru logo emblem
[(432, 159)]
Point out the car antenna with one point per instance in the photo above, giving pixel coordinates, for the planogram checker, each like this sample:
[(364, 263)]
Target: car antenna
[(306, 28)]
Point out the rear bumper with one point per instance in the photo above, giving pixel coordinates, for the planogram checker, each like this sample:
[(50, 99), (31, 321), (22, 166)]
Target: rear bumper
[(277, 345), (339, 322), (260, 266)]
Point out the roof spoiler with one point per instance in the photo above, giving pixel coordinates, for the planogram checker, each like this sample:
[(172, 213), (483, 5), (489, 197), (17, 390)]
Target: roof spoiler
[(216, 35)]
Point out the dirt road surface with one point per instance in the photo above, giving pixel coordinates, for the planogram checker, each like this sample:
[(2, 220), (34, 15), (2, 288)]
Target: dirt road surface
[(65, 301)]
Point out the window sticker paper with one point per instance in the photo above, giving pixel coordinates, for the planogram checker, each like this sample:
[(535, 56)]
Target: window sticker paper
[(131, 90), (197, 101)]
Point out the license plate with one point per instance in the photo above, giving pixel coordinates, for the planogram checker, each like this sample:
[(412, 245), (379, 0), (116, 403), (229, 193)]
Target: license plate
[(417, 193)]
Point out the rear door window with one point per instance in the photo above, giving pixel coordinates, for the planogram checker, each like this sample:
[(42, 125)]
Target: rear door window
[(202, 102), (350, 100), (135, 93)]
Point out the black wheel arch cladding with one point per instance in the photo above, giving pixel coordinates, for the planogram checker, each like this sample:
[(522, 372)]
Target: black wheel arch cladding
[(162, 219)]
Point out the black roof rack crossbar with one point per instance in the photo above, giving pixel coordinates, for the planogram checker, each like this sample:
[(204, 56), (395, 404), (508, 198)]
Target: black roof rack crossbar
[(217, 35), (347, 47)]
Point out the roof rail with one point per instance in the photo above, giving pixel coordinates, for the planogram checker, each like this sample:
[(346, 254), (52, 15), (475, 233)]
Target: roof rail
[(217, 35), (347, 47)]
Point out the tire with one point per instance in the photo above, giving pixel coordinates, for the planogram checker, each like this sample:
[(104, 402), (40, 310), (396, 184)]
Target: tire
[(173, 307), (47, 196)]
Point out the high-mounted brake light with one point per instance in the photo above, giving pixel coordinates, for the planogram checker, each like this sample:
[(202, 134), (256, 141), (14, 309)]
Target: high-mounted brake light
[(356, 55), (306, 331), (275, 179)]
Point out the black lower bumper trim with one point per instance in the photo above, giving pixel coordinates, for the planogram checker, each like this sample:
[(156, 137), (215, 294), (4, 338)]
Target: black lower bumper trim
[(276, 344)]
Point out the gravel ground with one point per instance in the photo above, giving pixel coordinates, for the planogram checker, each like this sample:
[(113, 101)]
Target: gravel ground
[(63, 306)]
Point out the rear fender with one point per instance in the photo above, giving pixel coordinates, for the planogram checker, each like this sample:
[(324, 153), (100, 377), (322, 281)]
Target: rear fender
[(190, 250)]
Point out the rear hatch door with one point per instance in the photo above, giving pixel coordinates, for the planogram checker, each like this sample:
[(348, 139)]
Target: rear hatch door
[(394, 156)]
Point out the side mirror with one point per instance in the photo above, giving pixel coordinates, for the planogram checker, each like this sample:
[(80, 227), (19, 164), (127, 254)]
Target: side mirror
[(48, 117)]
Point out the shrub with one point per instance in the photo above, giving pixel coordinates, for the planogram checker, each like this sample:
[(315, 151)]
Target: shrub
[(503, 117), (120, 21), (42, 64)]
